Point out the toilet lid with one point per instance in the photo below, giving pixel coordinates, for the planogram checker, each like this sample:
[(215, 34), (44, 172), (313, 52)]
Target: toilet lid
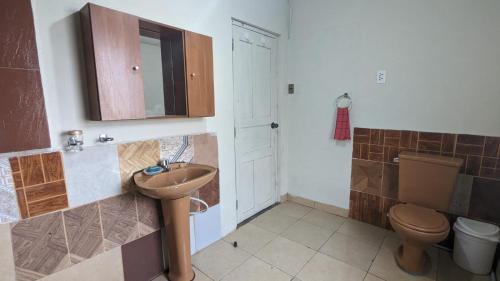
[(419, 218)]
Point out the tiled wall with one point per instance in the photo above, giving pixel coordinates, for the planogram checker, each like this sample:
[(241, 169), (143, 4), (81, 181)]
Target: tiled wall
[(39, 183), (99, 213), (20, 81), (374, 176)]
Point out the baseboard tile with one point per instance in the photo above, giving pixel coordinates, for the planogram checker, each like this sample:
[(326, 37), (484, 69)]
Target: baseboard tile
[(318, 205)]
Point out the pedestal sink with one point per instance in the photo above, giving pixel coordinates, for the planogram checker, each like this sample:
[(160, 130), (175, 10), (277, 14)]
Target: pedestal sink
[(173, 188)]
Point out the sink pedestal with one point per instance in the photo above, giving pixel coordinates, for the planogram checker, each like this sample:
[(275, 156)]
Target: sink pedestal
[(176, 217)]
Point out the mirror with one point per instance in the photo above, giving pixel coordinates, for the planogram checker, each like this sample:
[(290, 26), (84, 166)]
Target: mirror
[(154, 98), (162, 59)]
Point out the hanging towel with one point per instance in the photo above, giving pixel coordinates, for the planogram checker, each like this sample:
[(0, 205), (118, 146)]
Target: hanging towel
[(342, 126)]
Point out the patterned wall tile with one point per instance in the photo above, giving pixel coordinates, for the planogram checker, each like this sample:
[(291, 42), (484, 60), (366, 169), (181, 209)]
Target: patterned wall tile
[(459, 204), (210, 192), (92, 174), (365, 207), (484, 200), (148, 211), (84, 232), (9, 211), (39, 182), (136, 156), (206, 150), (366, 176), (390, 181), (119, 220), (177, 149), (39, 246)]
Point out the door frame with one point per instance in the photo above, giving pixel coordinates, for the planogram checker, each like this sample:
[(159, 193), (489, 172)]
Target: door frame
[(275, 107)]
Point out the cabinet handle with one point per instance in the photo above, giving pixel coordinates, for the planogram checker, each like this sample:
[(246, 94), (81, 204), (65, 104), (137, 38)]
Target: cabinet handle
[(193, 74), (135, 67)]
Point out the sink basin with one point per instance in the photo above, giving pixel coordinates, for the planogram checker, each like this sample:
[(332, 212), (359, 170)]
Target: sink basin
[(174, 188), (179, 182)]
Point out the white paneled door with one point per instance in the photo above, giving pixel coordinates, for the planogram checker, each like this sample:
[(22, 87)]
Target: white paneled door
[(255, 76)]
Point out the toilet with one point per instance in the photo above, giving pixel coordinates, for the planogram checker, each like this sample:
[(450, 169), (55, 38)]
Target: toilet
[(426, 183)]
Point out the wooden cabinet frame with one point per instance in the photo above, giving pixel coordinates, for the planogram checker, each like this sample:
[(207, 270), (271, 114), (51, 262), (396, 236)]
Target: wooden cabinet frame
[(114, 75)]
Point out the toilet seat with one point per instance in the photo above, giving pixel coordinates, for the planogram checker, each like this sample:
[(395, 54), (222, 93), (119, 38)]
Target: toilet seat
[(419, 219)]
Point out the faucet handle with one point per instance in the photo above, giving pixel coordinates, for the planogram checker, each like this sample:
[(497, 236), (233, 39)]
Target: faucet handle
[(165, 163)]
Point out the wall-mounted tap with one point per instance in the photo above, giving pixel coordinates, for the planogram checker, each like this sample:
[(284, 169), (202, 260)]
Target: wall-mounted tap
[(165, 164), (75, 141)]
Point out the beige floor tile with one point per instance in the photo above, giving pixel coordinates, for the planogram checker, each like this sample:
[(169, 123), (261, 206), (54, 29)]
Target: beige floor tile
[(250, 237), (7, 269), (363, 230), (286, 255), (254, 269), (107, 266), (274, 221), (199, 276), (449, 271), (384, 266), (307, 234), (370, 277), (293, 210), (219, 259), (324, 220), (324, 268), (352, 250)]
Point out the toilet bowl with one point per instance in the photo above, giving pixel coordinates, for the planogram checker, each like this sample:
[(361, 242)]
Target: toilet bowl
[(418, 228), (426, 183)]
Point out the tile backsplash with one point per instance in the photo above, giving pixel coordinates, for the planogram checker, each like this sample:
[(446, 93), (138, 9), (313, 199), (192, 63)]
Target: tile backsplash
[(39, 182), (84, 204), (374, 175)]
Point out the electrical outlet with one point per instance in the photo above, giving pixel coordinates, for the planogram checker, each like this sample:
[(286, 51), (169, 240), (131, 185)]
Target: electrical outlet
[(381, 76)]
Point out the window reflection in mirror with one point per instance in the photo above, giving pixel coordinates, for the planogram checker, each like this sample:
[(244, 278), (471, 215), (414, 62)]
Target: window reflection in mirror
[(154, 97)]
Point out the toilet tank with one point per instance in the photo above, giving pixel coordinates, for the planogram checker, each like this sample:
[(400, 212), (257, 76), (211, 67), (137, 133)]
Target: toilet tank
[(427, 180)]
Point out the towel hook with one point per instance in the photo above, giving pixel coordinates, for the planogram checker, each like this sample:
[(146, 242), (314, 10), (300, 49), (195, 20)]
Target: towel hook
[(345, 96)]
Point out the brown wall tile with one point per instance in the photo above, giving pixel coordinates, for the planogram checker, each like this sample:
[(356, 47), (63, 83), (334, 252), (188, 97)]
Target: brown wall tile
[(429, 146), (471, 139), (365, 207), (18, 180), (210, 192), (473, 165), (469, 149), (387, 204), (484, 200), (390, 181), (143, 258), (376, 137), (39, 246), (366, 176), (448, 145), (435, 137), (119, 220), (48, 205), (21, 202), (22, 129), (492, 147), (44, 191), (136, 156), (84, 232), (52, 166), (17, 43), (14, 164), (32, 170), (149, 211)]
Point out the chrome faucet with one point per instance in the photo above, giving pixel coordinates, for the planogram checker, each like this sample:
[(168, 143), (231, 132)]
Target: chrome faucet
[(165, 164)]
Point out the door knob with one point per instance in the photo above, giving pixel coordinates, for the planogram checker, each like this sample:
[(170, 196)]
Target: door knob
[(274, 125), (135, 67)]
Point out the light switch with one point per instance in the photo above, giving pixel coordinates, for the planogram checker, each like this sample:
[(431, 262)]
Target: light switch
[(381, 76)]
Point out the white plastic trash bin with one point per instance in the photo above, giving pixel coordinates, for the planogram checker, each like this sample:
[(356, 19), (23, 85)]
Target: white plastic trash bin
[(475, 245)]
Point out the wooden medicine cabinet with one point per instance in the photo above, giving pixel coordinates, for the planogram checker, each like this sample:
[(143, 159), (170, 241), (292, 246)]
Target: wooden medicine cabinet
[(139, 69)]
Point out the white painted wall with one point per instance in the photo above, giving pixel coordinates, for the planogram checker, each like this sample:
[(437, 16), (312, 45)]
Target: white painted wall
[(62, 69), (443, 74)]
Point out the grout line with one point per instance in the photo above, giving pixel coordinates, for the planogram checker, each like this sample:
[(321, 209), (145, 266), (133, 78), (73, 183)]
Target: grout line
[(101, 226), (66, 238), (43, 168), (47, 198)]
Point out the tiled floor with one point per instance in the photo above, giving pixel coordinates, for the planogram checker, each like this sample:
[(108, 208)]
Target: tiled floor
[(294, 242)]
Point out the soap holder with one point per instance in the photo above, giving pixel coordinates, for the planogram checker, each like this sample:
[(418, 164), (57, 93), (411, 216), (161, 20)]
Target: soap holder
[(153, 170)]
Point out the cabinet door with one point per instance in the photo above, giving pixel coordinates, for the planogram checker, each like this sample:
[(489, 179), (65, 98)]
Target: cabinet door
[(116, 86), (200, 75)]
